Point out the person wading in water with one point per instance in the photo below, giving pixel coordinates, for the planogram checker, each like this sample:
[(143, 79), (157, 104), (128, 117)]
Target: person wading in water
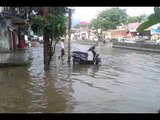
[(62, 49)]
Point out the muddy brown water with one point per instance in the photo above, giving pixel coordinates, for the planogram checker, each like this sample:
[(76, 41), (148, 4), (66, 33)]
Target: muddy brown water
[(125, 81)]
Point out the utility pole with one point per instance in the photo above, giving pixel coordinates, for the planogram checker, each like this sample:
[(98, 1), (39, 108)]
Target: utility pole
[(45, 46), (69, 36)]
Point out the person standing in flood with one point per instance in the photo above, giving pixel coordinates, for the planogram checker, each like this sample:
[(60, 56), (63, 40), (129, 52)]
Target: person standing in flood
[(62, 49)]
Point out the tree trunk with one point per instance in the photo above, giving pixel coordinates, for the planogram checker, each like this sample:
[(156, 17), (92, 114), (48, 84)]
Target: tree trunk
[(52, 51), (45, 46), (69, 36)]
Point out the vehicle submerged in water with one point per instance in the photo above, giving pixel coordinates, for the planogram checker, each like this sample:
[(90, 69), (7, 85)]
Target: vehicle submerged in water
[(82, 57)]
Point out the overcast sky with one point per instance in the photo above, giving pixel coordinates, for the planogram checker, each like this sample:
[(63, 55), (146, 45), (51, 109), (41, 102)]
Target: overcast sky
[(88, 13)]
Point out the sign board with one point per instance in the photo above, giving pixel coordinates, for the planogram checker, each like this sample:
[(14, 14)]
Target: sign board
[(155, 31)]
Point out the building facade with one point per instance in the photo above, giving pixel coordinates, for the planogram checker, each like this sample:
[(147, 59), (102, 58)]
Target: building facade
[(12, 21)]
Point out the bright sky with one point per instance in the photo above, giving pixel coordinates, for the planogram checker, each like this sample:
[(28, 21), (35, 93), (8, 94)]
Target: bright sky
[(88, 13)]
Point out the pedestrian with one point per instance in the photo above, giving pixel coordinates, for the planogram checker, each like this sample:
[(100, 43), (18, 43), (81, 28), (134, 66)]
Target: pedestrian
[(104, 41), (62, 49)]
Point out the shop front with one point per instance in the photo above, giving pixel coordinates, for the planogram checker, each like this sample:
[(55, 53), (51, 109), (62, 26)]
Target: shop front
[(20, 23)]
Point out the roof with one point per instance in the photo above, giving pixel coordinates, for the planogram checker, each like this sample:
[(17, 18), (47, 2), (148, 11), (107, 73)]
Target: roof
[(133, 26), (83, 23)]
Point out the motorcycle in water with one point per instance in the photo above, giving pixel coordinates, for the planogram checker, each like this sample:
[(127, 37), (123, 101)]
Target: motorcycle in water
[(82, 57)]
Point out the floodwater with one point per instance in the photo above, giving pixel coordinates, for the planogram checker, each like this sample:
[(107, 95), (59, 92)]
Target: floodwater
[(125, 81)]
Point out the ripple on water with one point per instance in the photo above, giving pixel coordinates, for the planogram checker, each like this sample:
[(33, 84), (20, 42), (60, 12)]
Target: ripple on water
[(125, 81)]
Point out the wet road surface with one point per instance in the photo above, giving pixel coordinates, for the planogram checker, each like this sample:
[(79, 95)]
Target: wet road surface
[(126, 81)]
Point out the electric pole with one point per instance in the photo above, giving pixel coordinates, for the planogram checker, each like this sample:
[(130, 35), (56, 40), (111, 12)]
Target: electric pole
[(45, 46), (69, 35)]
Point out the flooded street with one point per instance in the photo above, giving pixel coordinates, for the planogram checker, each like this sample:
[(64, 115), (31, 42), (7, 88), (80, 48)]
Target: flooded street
[(125, 81)]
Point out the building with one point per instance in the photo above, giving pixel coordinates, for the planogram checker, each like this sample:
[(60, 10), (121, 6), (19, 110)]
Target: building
[(113, 34), (12, 21), (83, 25), (155, 32), (128, 31)]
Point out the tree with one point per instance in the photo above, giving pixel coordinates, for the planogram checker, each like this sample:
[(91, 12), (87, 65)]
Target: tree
[(139, 19), (110, 18), (36, 16), (37, 24), (152, 20), (53, 26), (142, 18), (95, 23)]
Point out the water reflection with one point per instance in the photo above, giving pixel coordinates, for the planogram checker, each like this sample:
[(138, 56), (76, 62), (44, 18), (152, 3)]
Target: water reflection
[(125, 81), (13, 89), (32, 89), (121, 78), (49, 91)]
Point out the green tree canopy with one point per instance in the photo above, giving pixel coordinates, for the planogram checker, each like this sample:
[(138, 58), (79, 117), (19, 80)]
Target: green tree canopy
[(110, 18), (54, 23), (139, 19)]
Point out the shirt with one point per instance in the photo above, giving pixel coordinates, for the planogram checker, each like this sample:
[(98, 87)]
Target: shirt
[(62, 44), (26, 37)]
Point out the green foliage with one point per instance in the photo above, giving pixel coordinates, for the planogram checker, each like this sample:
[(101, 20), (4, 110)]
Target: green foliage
[(55, 23), (12, 64), (152, 20), (132, 19), (37, 23), (95, 23), (55, 26), (110, 18), (139, 19)]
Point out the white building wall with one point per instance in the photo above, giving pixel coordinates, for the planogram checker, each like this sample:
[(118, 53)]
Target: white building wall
[(4, 56), (1, 9), (4, 40), (8, 22)]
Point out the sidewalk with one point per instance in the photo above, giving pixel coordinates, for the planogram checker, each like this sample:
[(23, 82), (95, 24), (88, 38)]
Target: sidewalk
[(15, 58)]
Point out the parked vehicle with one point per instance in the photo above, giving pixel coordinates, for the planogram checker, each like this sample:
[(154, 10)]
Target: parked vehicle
[(157, 41), (93, 38), (82, 57), (40, 39), (33, 38), (126, 40)]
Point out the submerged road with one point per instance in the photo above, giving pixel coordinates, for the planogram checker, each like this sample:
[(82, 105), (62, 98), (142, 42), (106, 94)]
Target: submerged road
[(125, 81)]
